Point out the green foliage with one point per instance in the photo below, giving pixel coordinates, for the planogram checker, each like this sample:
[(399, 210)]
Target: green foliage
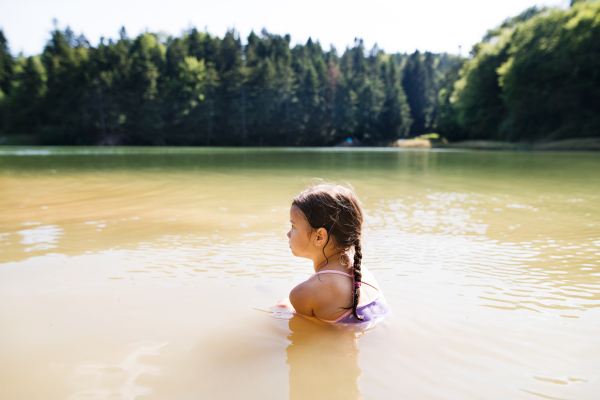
[(144, 103), (65, 62), (203, 90), (551, 80), (536, 77), (27, 97), (420, 81), (7, 65), (478, 97), (269, 88), (510, 23), (446, 117), (395, 120)]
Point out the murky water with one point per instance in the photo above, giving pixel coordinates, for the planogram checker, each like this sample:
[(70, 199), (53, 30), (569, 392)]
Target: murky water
[(150, 273)]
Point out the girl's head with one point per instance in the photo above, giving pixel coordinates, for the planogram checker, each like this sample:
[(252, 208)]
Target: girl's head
[(335, 211)]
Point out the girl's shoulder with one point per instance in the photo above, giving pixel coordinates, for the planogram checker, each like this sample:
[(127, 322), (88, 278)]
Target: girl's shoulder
[(320, 293)]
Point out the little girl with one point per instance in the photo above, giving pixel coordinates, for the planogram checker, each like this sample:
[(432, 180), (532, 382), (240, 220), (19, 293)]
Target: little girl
[(326, 228)]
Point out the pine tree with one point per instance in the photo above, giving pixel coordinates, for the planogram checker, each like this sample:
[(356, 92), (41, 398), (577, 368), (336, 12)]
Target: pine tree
[(145, 117), (231, 102), (345, 115), (417, 84), (66, 119), (7, 65), (109, 98), (395, 119), (284, 90), (371, 97), (205, 121), (211, 90), (26, 100), (431, 89)]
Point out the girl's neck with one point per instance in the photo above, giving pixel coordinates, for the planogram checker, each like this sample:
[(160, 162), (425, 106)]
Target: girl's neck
[(332, 262)]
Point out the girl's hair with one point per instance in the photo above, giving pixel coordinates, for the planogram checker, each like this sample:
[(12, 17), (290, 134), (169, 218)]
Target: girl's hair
[(337, 209)]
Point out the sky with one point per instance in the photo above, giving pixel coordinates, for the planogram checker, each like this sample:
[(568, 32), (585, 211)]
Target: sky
[(396, 26)]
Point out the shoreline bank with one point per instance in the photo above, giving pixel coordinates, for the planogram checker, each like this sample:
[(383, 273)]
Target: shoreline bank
[(583, 144)]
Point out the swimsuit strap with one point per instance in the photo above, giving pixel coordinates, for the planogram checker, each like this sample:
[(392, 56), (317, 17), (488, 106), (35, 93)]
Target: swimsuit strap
[(331, 271)]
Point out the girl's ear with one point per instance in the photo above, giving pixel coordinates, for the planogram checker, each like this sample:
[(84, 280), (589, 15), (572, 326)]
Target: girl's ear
[(321, 237)]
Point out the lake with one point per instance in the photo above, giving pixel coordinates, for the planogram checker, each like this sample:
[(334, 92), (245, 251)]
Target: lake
[(150, 273)]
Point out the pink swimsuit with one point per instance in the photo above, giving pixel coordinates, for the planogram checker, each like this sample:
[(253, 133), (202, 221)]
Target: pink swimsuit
[(373, 312)]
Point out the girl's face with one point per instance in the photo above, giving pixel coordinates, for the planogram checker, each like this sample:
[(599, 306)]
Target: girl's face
[(300, 234)]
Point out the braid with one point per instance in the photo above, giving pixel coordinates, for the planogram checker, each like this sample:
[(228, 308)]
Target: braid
[(357, 278)]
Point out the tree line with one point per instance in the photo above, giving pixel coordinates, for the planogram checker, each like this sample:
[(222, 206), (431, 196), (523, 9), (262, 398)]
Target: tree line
[(200, 89), (534, 77)]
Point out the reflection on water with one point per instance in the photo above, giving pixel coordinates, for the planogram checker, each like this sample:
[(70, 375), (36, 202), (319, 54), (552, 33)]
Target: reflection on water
[(40, 237), (323, 361), (138, 273)]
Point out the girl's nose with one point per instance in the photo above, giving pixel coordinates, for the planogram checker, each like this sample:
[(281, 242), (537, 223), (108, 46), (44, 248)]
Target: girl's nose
[(289, 235)]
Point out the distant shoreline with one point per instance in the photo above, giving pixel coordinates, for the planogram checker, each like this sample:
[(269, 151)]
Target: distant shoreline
[(583, 144)]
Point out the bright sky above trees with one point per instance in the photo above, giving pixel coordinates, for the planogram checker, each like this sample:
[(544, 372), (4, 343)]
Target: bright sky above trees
[(395, 25)]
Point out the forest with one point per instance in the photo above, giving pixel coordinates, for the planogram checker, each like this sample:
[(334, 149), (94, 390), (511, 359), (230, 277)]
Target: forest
[(535, 77)]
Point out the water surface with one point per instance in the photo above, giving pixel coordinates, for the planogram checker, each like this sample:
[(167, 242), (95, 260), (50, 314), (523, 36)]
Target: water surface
[(150, 272)]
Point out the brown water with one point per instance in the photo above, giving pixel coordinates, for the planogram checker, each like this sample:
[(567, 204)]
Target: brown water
[(150, 273)]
